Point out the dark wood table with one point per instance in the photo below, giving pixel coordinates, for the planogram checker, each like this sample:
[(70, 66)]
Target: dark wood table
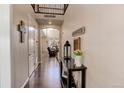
[(70, 79)]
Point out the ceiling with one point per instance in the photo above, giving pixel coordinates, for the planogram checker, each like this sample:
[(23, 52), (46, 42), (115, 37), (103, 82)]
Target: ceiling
[(52, 22), (49, 14)]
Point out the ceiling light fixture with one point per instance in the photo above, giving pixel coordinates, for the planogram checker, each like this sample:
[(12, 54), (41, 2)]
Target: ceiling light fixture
[(50, 22)]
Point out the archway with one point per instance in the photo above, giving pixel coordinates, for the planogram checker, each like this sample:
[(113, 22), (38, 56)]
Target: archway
[(50, 38)]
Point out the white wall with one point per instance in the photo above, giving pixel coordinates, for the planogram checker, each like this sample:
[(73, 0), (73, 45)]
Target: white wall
[(103, 42), (5, 58), (20, 50)]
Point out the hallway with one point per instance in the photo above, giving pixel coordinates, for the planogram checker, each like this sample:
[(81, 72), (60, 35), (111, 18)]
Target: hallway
[(46, 75), (87, 37)]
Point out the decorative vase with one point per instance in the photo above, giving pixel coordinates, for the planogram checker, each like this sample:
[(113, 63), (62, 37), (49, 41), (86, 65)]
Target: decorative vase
[(78, 61)]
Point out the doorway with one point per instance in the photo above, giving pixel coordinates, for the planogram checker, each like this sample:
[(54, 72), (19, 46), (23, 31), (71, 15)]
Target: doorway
[(31, 47), (50, 41)]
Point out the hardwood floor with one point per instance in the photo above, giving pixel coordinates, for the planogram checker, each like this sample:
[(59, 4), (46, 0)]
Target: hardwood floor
[(46, 75)]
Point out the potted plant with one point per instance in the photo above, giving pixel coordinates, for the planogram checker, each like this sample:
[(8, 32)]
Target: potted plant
[(78, 57)]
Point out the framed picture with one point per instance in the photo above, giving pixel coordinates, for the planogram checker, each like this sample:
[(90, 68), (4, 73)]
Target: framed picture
[(79, 32), (77, 43)]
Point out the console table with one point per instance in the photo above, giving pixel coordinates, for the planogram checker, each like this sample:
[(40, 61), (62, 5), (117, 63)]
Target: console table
[(69, 82)]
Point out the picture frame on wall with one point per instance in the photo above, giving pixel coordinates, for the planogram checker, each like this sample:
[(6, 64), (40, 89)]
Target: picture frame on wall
[(77, 43), (79, 32)]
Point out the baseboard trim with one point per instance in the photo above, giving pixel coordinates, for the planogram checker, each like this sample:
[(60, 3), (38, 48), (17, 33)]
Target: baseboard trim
[(29, 76), (36, 66), (25, 83), (34, 70)]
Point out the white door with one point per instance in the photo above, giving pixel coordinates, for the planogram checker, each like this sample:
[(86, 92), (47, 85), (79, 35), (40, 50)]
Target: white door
[(31, 50)]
